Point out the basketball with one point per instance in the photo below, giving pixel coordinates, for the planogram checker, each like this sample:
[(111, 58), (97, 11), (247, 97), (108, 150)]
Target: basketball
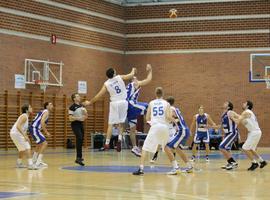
[(173, 13)]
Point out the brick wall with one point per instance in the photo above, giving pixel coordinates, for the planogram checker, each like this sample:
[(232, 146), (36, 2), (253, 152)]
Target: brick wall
[(207, 78), (200, 9)]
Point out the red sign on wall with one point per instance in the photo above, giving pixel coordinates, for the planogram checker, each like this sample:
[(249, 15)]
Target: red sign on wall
[(53, 39)]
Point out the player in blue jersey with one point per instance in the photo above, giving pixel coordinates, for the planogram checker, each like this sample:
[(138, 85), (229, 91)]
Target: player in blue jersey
[(135, 108), (231, 134), (181, 130), (37, 128), (201, 120)]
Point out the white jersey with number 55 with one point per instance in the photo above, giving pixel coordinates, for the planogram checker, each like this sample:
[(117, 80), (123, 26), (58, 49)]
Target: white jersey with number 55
[(117, 89), (158, 108)]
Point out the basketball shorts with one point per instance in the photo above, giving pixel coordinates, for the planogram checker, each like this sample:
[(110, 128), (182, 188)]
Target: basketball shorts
[(201, 136), (118, 112), (19, 141), (135, 109), (37, 135), (252, 140), (187, 135), (176, 139), (228, 141), (158, 135)]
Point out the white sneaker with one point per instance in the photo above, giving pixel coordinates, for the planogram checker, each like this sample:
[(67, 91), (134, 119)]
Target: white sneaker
[(192, 159), (136, 151), (231, 166), (33, 167), (42, 164), (173, 171), (20, 165), (187, 170)]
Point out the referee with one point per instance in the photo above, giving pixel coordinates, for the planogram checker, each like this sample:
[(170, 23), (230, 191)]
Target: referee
[(77, 115)]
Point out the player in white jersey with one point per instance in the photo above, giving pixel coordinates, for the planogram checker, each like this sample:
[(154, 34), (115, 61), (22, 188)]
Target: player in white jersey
[(115, 86), (38, 130), (249, 120), (159, 115), (18, 134)]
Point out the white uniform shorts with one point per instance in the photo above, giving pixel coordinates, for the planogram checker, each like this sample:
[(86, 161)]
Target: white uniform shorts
[(19, 141), (157, 135), (118, 112), (252, 140)]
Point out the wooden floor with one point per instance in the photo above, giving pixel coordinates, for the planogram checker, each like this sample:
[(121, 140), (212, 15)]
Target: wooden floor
[(207, 182)]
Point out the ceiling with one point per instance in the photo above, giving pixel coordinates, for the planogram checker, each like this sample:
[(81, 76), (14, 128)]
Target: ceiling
[(125, 2)]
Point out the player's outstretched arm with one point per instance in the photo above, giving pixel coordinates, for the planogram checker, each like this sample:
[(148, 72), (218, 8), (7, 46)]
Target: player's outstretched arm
[(100, 94), (130, 75), (148, 78)]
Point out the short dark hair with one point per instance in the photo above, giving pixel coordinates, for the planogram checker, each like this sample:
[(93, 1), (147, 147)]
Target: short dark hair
[(159, 92), (110, 72), (25, 108), (249, 104), (46, 104), (170, 99), (230, 105), (73, 96)]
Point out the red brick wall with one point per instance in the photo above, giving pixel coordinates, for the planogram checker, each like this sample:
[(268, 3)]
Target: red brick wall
[(79, 63), (200, 9), (63, 14), (197, 26), (209, 79)]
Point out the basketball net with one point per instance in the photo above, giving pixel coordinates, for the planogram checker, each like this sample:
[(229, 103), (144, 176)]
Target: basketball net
[(42, 85), (267, 81)]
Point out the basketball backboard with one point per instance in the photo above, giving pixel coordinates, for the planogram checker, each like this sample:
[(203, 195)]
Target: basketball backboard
[(43, 72), (259, 67)]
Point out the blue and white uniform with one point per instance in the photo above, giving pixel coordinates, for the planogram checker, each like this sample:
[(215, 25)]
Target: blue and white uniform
[(135, 108), (201, 133), (35, 128), (182, 130), (230, 130)]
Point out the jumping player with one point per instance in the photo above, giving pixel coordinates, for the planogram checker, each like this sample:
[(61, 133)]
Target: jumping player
[(115, 86), (136, 108)]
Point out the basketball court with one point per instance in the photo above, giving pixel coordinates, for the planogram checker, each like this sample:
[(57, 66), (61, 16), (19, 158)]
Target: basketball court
[(108, 176), (201, 52)]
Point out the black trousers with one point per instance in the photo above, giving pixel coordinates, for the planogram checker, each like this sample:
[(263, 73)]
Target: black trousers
[(78, 131)]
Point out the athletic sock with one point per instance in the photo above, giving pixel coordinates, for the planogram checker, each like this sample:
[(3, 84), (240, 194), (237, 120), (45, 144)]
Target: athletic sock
[(35, 155), (120, 137), (19, 161), (174, 164), (39, 159), (260, 159), (30, 162), (254, 161), (141, 167), (107, 141)]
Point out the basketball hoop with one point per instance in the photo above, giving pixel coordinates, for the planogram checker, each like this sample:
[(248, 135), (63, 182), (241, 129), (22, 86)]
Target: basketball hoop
[(42, 85), (267, 81)]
